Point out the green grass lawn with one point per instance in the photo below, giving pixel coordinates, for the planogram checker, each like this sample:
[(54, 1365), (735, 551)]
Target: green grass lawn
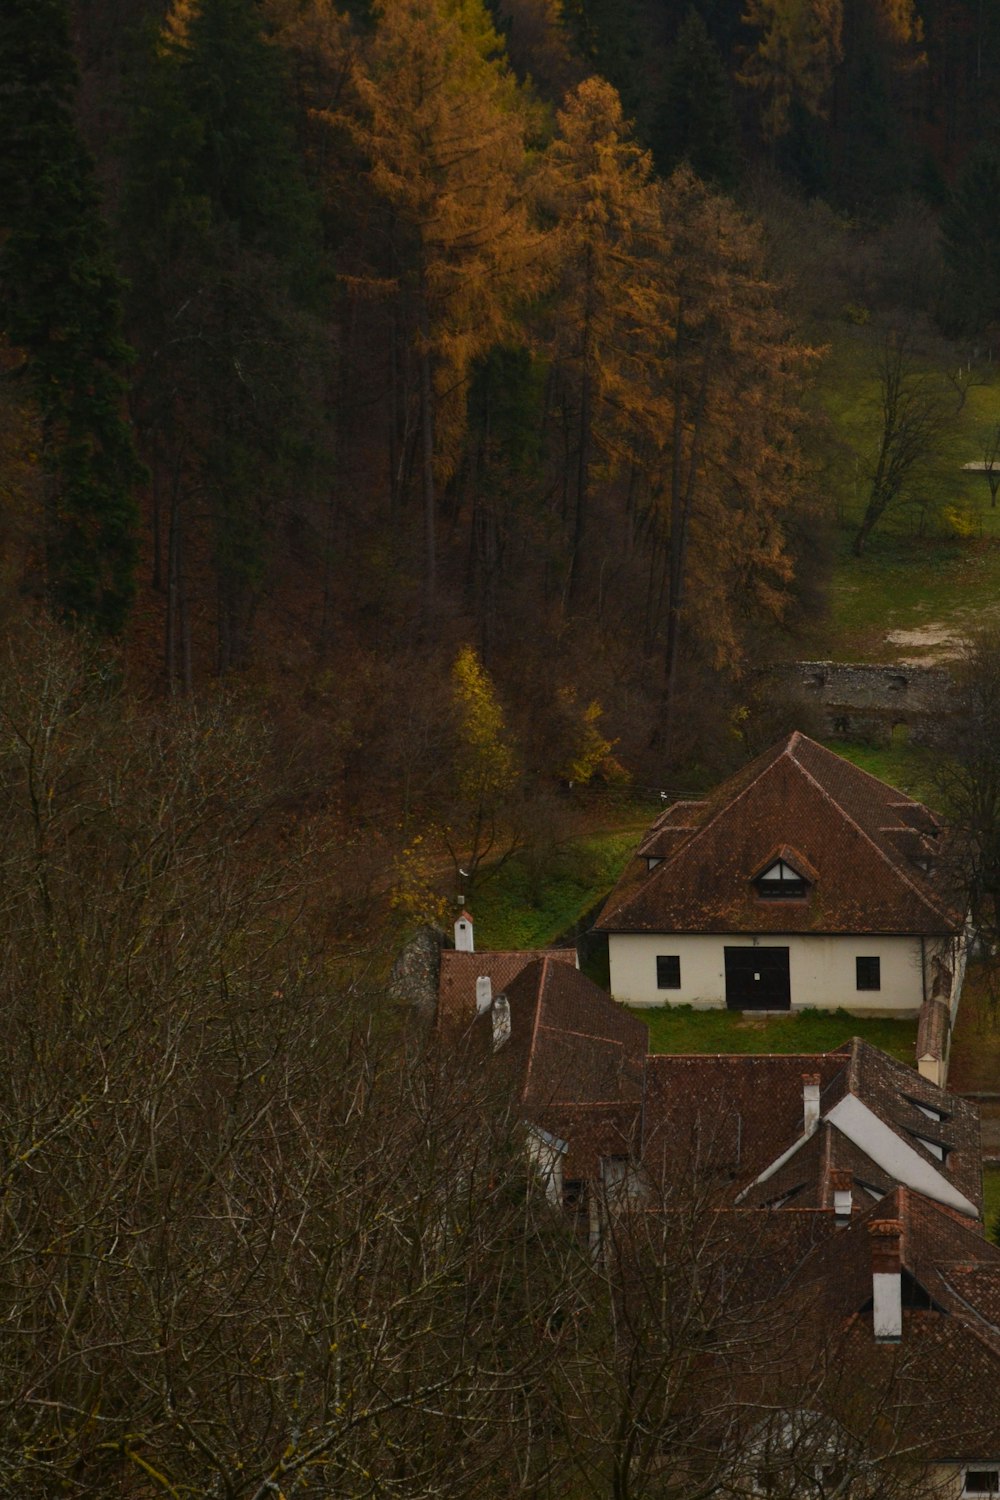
[(907, 584), (991, 1200), (681, 1029), (536, 898), (934, 558)]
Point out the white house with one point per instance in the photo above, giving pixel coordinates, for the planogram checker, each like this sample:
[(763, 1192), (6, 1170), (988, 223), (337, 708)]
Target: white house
[(801, 881)]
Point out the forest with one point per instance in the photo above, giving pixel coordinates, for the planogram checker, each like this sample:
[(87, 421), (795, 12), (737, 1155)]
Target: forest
[(419, 421), (338, 343)]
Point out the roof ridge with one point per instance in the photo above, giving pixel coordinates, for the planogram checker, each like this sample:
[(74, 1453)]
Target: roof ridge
[(741, 1057), (978, 1323), (919, 891), (589, 1036), (702, 828), (539, 1003), (860, 771)]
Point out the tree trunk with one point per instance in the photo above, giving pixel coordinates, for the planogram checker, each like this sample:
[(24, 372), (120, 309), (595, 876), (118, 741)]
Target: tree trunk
[(427, 444), (682, 487), (176, 648), (582, 492)]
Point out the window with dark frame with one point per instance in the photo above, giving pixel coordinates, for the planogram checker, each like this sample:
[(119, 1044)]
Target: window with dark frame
[(574, 1196), (780, 882), (869, 973), (668, 972), (982, 1482)]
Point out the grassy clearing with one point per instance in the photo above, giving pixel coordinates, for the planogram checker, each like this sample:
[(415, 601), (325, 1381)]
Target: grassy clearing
[(538, 896), (908, 583), (991, 1200), (848, 392), (903, 584), (680, 1029), (935, 558)]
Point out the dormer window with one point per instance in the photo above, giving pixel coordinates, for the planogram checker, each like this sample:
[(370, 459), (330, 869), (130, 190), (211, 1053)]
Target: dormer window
[(936, 1148), (780, 882), (927, 1109)]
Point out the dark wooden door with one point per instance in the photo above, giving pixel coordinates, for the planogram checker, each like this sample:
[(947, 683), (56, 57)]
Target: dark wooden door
[(757, 979)]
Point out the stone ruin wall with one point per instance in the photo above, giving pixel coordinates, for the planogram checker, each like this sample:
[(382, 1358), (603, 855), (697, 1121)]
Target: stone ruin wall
[(866, 702)]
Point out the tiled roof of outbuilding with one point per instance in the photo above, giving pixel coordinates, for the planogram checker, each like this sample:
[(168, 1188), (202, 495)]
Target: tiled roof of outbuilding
[(951, 1347), (460, 970), (869, 851), (737, 1116), (576, 1060), (572, 1043)]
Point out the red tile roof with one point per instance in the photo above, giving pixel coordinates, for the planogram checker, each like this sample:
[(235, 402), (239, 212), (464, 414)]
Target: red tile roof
[(734, 1117), (862, 845), (576, 1060), (459, 972), (952, 1346)]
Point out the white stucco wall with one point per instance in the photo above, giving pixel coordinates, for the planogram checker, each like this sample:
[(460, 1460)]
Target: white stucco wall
[(821, 970), (947, 1481)]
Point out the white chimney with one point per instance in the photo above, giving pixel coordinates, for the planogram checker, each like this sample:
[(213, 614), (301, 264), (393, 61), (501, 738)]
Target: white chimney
[(887, 1290), (501, 1022), (463, 934), (843, 1198), (484, 994), (810, 1102)]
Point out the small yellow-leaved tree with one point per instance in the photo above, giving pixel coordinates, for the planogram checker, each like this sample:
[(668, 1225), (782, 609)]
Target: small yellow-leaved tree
[(586, 752), (487, 772)]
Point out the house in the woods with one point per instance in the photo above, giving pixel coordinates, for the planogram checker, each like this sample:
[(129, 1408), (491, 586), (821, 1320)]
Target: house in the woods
[(801, 881), (842, 1188)]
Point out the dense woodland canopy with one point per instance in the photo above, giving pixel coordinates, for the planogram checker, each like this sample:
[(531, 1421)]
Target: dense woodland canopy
[(406, 414), (340, 340)]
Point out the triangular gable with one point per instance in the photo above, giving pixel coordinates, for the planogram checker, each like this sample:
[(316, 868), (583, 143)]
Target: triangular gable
[(862, 882), (881, 1144)]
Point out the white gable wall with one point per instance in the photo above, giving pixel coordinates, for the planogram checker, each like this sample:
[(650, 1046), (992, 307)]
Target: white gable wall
[(822, 970)]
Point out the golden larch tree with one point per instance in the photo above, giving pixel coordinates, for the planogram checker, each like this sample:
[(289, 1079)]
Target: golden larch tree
[(797, 49), (443, 124), (596, 186)]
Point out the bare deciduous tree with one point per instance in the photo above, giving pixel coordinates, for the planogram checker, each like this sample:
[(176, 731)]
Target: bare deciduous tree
[(911, 413)]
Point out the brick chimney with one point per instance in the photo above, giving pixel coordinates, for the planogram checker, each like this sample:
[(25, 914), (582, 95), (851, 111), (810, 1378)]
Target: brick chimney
[(843, 1196), (484, 994), (887, 1290), (463, 934), (810, 1102)]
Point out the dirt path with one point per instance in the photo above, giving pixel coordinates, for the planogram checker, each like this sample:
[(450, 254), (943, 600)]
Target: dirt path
[(938, 640)]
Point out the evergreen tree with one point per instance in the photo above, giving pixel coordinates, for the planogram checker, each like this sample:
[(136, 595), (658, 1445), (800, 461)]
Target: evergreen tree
[(60, 302), (696, 120), (597, 186), (971, 243), (225, 247), (444, 126), (798, 45), (612, 37)]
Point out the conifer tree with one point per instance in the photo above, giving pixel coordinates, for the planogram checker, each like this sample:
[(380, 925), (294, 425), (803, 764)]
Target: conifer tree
[(443, 124), (598, 186), (224, 242), (696, 121), (60, 303), (797, 48), (970, 230), (732, 372)]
